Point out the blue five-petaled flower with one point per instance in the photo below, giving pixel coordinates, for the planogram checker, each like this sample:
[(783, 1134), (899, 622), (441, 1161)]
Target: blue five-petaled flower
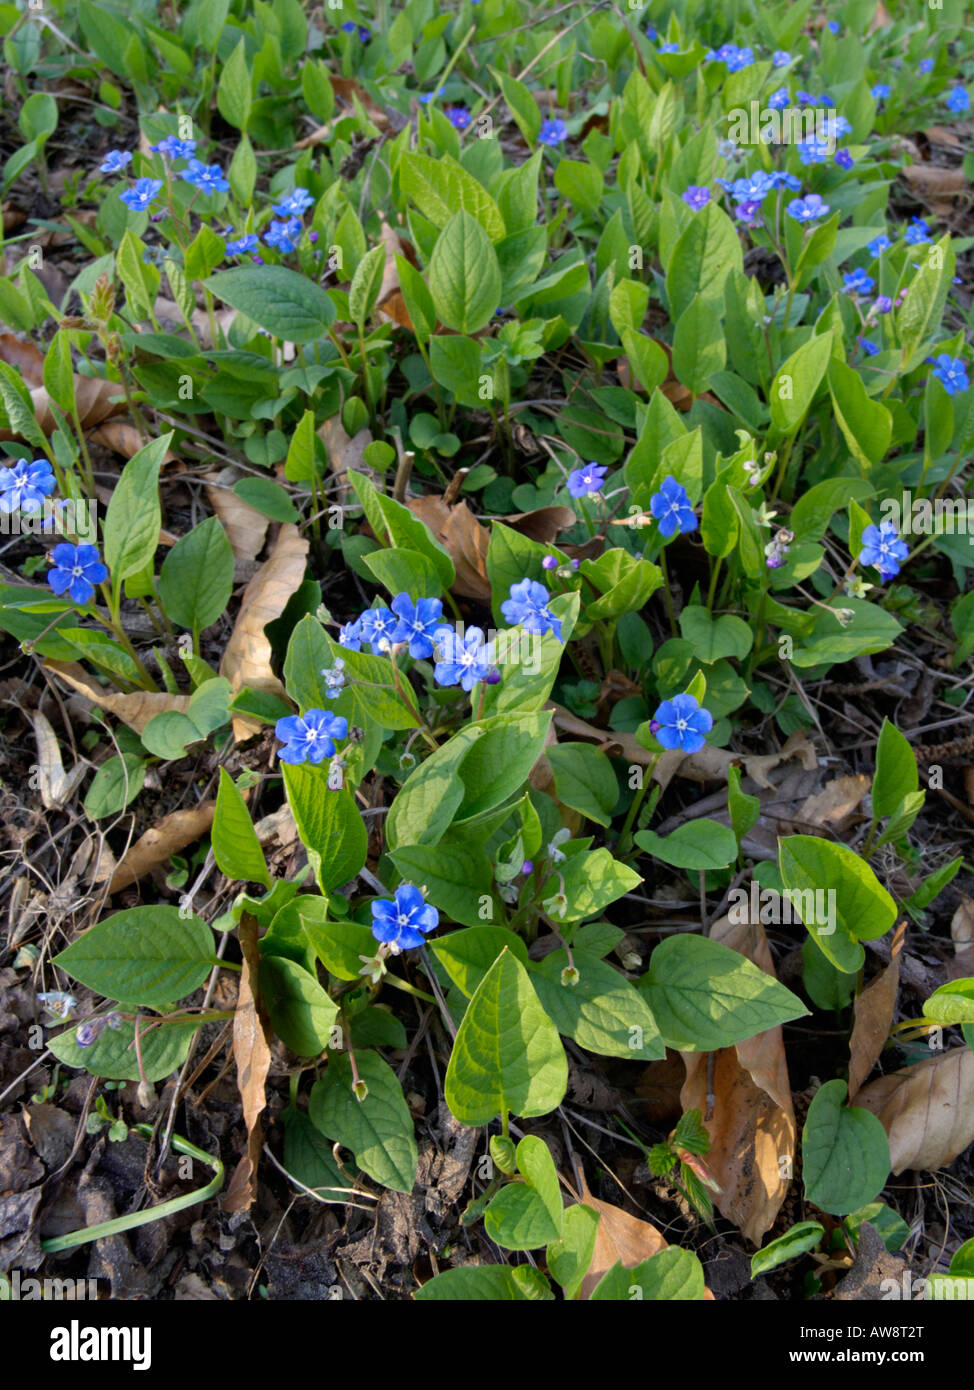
[(528, 608), (309, 737), (681, 723), (552, 132), (951, 372), (402, 921), (76, 570), (883, 549), (671, 508), (582, 481), (462, 660), (417, 623), (142, 194), (24, 485)]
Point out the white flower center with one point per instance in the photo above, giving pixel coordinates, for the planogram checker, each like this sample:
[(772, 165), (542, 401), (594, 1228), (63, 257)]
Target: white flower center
[(681, 724)]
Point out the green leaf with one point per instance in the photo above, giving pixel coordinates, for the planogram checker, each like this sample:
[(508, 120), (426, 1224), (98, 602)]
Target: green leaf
[(529, 664), (404, 571), (507, 1056), (744, 809), (674, 1275), (521, 105), (705, 996), (196, 579), (115, 785), (797, 382), (427, 802), (486, 1283), (715, 638), (113, 1055), (266, 497), (951, 1003), (378, 1129), (242, 173), (802, 1237), (233, 95), (464, 277), (59, 372), (329, 823), (697, 844), (340, 946), (922, 309), (301, 1013), (417, 298), (602, 1011), (441, 188), (145, 955), (845, 1153), (859, 907), (526, 1215), (866, 424), (582, 185), (308, 1155), (584, 780), (468, 955), (366, 283), (204, 254), (592, 881), (286, 304), (133, 518), (896, 771), (568, 1259), (236, 847), (704, 255), (699, 348)]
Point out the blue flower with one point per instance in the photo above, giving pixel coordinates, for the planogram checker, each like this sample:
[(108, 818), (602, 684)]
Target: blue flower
[(958, 101), (778, 100), (582, 481), (751, 188), (458, 116), (284, 235), (417, 624), (402, 921), (844, 159), (672, 509), (697, 196), (804, 98), (917, 233), (669, 48), (834, 127), (808, 208), (242, 244), (142, 194), (335, 679), (780, 179), (747, 213), (462, 660), (309, 738), (174, 148), (780, 58), (528, 606), (295, 203), (77, 569), (883, 549), (857, 281), (833, 25), (882, 304), (552, 132), (115, 161), (683, 724), (814, 151), (735, 58), (364, 34), (869, 348), (951, 372), (426, 97), (376, 626), (880, 91), (878, 244), (208, 178), (926, 65), (350, 636), (25, 484)]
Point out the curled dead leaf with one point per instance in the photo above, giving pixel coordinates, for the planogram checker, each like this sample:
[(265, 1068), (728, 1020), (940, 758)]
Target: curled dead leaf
[(750, 1117), (837, 799), (173, 833), (873, 1012), (927, 1110), (124, 439), (252, 1055), (135, 710), (962, 933), (934, 181), (94, 396), (245, 526), (55, 785), (247, 658)]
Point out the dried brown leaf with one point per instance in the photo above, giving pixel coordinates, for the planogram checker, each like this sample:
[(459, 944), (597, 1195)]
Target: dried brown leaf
[(55, 785), (927, 1110), (173, 833), (135, 710), (752, 1123), (459, 531), (245, 526), (962, 933), (247, 658), (837, 799), (933, 180), (619, 1236), (873, 1012), (92, 394), (124, 439), (252, 1055)]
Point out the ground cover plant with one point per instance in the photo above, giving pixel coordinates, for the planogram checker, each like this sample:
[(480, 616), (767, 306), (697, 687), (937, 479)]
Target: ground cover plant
[(487, 650)]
